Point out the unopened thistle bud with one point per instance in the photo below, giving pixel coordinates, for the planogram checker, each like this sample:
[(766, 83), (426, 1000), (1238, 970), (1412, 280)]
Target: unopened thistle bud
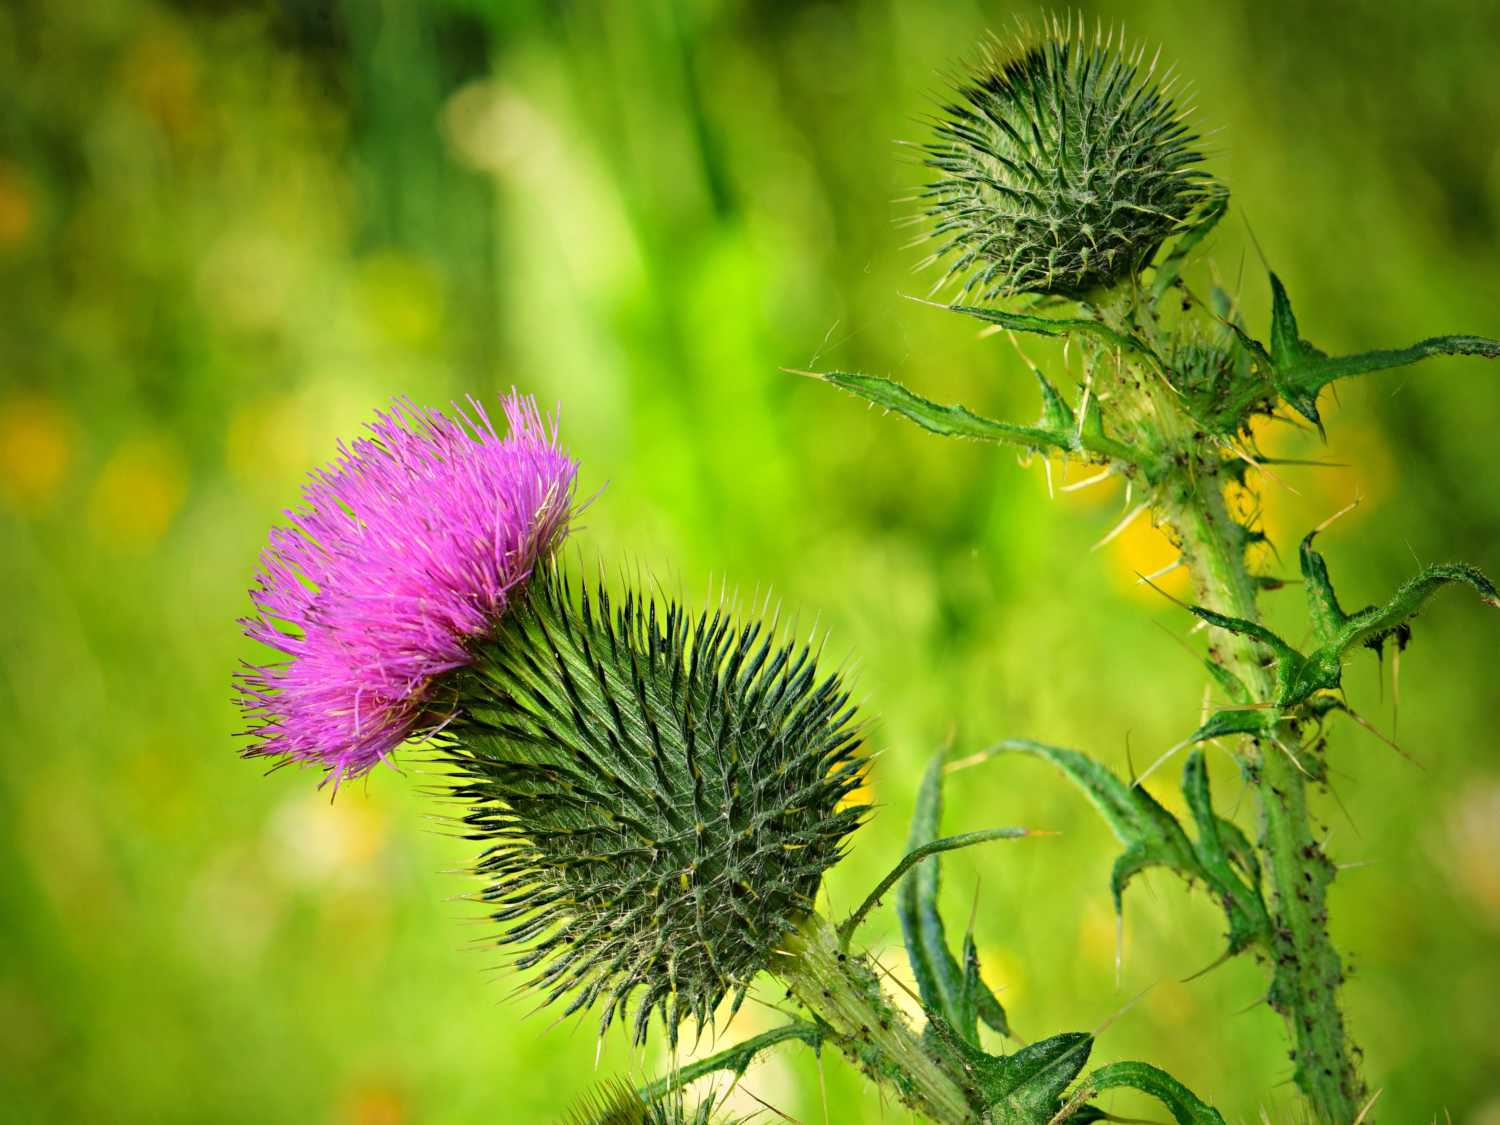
[(659, 797), (1063, 168)]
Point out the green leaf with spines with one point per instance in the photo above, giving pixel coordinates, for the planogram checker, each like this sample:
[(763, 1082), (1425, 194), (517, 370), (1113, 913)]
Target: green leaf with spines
[(1150, 834), (1300, 676), (946, 987), (1299, 371), (1224, 724), (914, 858), (1025, 1087), (735, 1060), (1339, 631), (1225, 855), (1086, 327), (1233, 686), (1185, 1106), (1057, 431), (1152, 837), (946, 421)]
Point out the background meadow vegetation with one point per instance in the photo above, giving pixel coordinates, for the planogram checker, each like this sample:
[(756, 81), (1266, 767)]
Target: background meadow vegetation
[(229, 230)]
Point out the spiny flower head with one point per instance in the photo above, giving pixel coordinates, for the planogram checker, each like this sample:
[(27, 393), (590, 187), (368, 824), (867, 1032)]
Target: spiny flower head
[(658, 799), (616, 1102), (407, 549), (1063, 167)]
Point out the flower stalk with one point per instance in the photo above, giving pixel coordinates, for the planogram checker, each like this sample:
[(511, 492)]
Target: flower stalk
[(1307, 971), (845, 994)]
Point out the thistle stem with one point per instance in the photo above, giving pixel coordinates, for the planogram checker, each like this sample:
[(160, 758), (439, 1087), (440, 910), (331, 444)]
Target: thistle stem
[(845, 994), (1306, 968)]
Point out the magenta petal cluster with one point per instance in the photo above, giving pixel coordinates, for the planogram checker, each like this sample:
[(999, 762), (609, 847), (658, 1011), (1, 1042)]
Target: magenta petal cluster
[(410, 544)]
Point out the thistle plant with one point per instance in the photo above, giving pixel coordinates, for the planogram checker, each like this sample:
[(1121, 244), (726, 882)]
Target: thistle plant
[(654, 793), (1066, 203)]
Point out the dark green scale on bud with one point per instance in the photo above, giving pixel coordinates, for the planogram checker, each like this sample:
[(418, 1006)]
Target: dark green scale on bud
[(658, 797), (1063, 169)]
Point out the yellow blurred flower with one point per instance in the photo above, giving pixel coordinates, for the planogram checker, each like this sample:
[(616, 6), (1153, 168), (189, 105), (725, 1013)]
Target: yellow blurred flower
[(138, 493), (16, 209), (36, 448), (1144, 549), (268, 441)]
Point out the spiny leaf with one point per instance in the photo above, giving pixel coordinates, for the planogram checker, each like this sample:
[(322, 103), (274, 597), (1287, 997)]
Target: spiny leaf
[(1233, 686), (1057, 416), (1244, 628), (1323, 607), (945, 988), (1185, 1106), (1025, 1087), (1219, 852), (1150, 834), (1361, 627), (1056, 431), (1299, 677), (1224, 723), (916, 856), (1339, 632), (1300, 370), (1293, 674), (947, 421), (614, 1102), (1062, 326), (1152, 837)]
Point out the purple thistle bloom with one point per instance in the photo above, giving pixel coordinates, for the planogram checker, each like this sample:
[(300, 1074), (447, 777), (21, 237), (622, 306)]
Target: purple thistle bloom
[(411, 543)]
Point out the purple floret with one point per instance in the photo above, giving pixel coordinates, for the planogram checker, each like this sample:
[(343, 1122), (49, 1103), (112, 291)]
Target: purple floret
[(410, 544)]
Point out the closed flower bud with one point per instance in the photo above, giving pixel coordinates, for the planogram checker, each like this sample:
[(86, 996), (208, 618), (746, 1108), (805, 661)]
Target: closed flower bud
[(1062, 169), (658, 797)]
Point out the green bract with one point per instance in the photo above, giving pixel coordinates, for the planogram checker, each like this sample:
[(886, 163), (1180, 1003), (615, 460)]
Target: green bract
[(1063, 170), (658, 798)]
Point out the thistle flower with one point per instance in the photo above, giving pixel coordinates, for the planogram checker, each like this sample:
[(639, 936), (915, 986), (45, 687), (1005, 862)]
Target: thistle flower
[(1062, 169), (658, 799), (408, 550)]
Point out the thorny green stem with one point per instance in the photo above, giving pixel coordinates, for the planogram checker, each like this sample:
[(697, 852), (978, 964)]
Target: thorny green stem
[(845, 994), (1306, 970)]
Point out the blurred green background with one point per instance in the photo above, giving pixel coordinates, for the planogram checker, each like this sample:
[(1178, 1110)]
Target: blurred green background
[(229, 230)]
